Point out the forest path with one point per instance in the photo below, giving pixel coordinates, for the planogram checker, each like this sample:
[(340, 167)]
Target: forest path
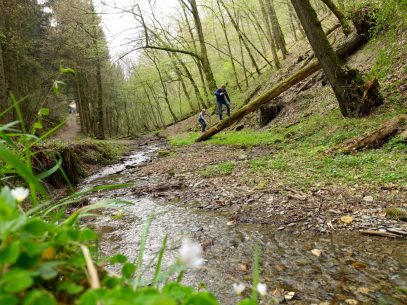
[(70, 130), (347, 265)]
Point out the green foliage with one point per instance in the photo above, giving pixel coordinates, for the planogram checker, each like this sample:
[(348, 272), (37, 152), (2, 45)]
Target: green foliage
[(45, 257), (220, 169)]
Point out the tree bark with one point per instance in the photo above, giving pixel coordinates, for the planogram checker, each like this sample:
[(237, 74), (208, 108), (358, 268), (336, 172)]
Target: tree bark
[(266, 97), (372, 139), (4, 104), (223, 26), (277, 32), (341, 17), (206, 66), (346, 84), (100, 130), (271, 38)]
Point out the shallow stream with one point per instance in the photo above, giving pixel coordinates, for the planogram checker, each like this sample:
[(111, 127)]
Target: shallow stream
[(350, 267)]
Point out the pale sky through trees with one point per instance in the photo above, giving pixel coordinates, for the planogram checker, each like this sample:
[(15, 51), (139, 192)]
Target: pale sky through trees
[(119, 26)]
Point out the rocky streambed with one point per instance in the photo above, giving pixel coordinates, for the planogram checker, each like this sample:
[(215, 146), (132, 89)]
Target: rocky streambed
[(337, 266)]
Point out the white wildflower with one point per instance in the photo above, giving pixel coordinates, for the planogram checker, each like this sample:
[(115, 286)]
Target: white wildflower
[(20, 193), (190, 253), (238, 288), (262, 289)]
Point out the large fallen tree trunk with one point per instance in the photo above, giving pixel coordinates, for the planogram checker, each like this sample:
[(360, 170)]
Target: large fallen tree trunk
[(371, 139), (343, 51)]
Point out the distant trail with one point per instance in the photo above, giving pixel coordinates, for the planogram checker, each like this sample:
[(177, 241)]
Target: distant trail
[(70, 130)]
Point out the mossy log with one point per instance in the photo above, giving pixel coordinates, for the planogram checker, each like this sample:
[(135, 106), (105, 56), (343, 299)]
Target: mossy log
[(372, 139), (344, 50)]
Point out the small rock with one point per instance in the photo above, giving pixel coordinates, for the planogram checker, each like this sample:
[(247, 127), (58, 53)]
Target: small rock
[(280, 228), (368, 199)]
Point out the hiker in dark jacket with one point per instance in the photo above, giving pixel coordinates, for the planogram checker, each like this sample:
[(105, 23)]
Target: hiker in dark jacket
[(201, 120), (222, 98)]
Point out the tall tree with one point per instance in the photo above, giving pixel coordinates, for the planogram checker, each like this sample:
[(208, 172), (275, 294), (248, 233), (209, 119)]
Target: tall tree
[(347, 84)]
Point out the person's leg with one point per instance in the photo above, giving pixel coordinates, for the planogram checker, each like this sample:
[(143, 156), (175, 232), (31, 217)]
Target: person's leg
[(220, 110), (203, 124), (227, 104)]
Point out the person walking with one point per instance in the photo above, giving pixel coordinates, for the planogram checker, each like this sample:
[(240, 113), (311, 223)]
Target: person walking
[(201, 120), (222, 98)]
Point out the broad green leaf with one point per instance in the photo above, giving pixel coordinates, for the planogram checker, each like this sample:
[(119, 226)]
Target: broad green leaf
[(37, 125), (63, 70), (48, 270), (36, 226), (118, 259), (202, 298), (44, 112), (128, 270), (10, 253), (7, 299), (247, 302), (87, 235), (70, 287), (178, 292), (39, 297), (16, 280)]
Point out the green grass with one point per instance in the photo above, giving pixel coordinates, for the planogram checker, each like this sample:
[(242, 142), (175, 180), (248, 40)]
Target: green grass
[(220, 169)]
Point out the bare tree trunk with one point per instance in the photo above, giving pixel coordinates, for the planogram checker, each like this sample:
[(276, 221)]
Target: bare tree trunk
[(269, 34), (223, 26), (341, 17), (346, 84), (197, 62), (79, 104), (277, 32), (242, 39), (4, 104), (291, 17), (206, 66), (165, 91), (100, 131)]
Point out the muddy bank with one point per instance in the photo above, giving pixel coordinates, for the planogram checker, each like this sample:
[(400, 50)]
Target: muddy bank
[(346, 268)]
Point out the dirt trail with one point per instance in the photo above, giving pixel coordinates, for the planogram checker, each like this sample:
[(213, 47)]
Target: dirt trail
[(70, 130)]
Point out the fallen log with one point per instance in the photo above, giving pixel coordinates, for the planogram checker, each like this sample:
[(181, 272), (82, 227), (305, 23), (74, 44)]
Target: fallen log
[(344, 50), (372, 139), (380, 233)]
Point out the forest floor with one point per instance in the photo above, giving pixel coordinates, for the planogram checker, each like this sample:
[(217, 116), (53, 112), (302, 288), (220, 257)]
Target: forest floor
[(279, 174)]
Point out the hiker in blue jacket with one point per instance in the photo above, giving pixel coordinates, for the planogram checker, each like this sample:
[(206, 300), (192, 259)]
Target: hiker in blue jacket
[(222, 98)]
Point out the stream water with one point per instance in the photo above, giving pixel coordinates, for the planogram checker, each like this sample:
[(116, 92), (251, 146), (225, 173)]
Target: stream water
[(351, 267)]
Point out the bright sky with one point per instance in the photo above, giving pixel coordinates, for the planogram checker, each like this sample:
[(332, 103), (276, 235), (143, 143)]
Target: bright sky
[(119, 26)]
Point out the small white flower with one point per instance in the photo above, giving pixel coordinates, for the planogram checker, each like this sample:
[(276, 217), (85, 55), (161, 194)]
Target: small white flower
[(20, 193), (238, 288), (190, 253), (262, 289)]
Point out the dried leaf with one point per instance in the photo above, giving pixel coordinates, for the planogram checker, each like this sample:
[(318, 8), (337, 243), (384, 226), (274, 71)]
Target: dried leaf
[(316, 252), (289, 295), (363, 290), (359, 265), (49, 253), (347, 219), (244, 267), (351, 302)]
